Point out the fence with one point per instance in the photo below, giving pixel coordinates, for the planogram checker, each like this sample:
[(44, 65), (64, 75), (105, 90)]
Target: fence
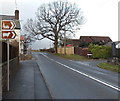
[(69, 50), (74, 50)]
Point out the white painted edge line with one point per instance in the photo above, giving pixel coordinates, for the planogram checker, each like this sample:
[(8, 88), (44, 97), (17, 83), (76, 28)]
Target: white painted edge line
[(87, 75)]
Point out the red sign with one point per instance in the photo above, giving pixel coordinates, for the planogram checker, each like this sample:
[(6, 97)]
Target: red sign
[(8, 25), (8, 34), (7, 29)]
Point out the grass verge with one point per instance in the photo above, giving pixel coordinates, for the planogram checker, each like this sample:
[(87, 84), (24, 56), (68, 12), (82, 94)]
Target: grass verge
[(71, 57), (111, 67)]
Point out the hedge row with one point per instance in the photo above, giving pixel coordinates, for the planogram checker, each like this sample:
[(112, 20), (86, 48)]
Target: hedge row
[(100, 51)]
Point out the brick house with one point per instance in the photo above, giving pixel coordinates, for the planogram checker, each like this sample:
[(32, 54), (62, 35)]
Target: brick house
[(101, 40), (84, 41), (73, 42)]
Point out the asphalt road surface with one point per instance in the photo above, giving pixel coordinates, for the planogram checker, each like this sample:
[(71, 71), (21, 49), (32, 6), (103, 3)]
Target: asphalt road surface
[(67, 79)]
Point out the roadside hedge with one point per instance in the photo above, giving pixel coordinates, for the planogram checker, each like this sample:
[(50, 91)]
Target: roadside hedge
[(100, 51)]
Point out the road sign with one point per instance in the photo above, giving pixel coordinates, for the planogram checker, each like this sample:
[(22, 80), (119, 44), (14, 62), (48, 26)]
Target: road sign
[(8, 34), (8, 25), (7, 29)]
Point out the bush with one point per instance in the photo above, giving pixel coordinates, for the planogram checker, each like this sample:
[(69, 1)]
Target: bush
[(100, 51)]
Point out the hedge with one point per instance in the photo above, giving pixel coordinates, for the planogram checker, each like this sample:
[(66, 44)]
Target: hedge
[(100, 51)]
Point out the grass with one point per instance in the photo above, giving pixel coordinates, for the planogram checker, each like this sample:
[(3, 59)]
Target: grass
[(111, 67), (71, 57)]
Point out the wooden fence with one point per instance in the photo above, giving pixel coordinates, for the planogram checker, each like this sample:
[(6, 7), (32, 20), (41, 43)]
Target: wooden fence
[(69, 50), (74, 50)]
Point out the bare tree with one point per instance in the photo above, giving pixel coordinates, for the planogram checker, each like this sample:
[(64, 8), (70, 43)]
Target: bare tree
[(53, 20)]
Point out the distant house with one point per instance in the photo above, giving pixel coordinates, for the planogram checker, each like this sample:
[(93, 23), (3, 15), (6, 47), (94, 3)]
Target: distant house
[(22, 40), (84, 41), (101, 40), (72, 42), (23, 45)]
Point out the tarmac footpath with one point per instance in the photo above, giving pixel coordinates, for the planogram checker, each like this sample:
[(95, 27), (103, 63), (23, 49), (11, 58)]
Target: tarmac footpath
[(27, 83)]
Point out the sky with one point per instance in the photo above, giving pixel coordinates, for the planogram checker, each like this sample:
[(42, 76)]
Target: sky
[(101, 17)]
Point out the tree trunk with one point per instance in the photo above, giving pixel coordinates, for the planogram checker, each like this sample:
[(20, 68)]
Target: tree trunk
[(65, 46), (56, 44)]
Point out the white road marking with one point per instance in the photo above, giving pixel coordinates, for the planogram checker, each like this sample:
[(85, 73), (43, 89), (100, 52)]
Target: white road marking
[(87, 75)]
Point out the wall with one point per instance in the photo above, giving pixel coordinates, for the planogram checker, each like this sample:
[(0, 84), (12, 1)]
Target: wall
[(13, 52), (14, 65), (14, 61)]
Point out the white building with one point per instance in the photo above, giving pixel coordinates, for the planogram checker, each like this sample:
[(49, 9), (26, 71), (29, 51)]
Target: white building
[(22, 44)]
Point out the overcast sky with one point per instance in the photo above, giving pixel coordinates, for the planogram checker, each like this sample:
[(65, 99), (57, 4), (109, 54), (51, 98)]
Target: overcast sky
[(101, 16)]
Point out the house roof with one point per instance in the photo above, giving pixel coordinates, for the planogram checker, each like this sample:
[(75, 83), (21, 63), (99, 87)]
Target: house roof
[(104, 39), (74, 42), (7, 17)]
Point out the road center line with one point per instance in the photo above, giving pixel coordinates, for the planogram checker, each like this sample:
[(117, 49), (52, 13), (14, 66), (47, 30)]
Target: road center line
[(87, 75)]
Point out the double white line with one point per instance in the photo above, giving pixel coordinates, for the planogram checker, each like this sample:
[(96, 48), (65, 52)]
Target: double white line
[(87, 75)]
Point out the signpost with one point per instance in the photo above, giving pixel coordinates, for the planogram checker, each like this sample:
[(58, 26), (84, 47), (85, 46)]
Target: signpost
[(8, 24), (8, 33)]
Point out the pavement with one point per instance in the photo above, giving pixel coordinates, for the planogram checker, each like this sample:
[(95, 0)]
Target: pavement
[(28, 83)]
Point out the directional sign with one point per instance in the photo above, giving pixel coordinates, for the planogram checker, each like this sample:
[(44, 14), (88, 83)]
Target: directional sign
[(8, 34), (8, 25), (7, 29)]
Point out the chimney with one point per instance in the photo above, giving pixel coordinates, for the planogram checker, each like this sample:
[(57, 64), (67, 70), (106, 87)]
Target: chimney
[(16, 14)]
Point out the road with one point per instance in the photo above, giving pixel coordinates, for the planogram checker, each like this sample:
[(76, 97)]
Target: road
[(68, 79)]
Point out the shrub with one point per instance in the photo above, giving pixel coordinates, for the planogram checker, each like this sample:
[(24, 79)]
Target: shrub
[(100, 51)]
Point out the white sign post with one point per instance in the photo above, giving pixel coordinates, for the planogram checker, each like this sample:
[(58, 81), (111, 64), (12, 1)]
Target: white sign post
[(8, 65), (8, 33)]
